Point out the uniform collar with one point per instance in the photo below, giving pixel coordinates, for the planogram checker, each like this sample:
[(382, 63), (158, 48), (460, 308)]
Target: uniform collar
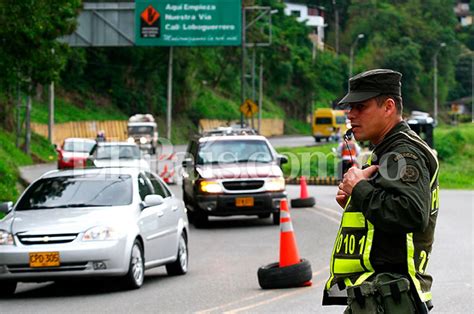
[(402, 126)]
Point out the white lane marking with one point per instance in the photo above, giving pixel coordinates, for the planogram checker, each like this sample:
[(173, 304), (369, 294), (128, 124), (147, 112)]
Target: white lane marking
[(282, 296), (221, 307), (330, 210), (337, 221)]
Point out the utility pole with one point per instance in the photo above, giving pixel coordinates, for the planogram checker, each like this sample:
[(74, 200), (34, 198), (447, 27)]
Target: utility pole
[(28, 121), (435, 82), (18, 117), (169, 94), (336, 25), (243, 68), (260, 93), (351, 57), (51, 113)]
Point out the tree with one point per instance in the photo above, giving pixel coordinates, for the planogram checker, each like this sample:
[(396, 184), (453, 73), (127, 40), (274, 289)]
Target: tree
[(30, 52)]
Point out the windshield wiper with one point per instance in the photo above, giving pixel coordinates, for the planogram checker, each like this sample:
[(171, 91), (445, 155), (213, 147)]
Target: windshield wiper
[(79, 205)]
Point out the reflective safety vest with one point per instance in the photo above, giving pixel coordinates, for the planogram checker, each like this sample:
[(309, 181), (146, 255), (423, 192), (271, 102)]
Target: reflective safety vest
[(350, 261)]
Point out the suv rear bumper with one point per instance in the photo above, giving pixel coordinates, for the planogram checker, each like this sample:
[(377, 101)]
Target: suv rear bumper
[(225, 204)]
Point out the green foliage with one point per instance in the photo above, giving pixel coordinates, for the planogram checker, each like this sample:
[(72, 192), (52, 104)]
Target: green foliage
[(209, 105), (67, 111), (11, 158), (29, 33), (405, 37), (449, 143), (293, 126), (455, 146)]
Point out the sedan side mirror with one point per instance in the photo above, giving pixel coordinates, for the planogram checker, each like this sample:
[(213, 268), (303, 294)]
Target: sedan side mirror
[(282, 159), (6, 207), (153, 200)]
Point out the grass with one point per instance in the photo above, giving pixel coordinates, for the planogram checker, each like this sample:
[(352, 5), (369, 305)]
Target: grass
[(314, 161), (455, 146), (66, 111)]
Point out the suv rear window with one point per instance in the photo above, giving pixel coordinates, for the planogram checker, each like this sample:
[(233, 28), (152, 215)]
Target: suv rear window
[(217, 152)]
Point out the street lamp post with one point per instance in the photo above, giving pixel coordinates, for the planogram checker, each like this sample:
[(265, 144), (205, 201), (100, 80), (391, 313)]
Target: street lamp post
[(351, 57), (435, 82)]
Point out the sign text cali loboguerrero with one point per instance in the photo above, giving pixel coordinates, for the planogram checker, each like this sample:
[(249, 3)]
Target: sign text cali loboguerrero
[(188, 22)]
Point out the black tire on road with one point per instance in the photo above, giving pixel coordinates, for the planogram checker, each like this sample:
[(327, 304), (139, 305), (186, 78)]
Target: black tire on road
[(303, 202), (180, 266), (136, 272), (7, 289), (200, 219), (276, 218), (273, 277)]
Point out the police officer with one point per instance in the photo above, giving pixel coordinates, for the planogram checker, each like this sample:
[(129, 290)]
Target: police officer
[(390, 205)]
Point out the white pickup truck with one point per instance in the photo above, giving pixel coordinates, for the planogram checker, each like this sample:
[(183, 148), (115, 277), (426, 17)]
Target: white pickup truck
[(143, 130)]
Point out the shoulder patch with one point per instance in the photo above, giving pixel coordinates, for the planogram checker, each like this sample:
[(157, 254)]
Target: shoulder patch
[(410, 174), (405, 155)]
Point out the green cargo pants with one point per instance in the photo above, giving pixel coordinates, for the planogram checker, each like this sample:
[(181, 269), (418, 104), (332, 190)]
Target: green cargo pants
[(385, 293)]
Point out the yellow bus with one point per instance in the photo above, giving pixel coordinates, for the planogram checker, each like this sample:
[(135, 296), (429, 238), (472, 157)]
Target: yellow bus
[(328, 124)]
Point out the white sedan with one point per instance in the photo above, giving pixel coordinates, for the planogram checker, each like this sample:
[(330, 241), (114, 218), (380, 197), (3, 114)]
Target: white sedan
[(90, 223), (118, 154)]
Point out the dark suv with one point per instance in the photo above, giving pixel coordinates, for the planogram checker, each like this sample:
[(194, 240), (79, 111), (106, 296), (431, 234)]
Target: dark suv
[(232, 173)]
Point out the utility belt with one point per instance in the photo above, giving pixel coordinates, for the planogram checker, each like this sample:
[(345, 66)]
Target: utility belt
[(385, 293)]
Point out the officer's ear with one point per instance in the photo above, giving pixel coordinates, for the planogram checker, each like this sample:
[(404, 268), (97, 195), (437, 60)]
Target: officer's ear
[(390, 107)]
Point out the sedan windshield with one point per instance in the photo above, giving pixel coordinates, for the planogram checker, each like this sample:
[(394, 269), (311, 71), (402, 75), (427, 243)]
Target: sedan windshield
[(118, 152), (78, 191), (140, 130), (216, 152)]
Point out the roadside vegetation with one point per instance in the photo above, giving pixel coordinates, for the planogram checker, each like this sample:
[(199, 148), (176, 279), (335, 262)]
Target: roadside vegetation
[(454, 144), (11, 158)]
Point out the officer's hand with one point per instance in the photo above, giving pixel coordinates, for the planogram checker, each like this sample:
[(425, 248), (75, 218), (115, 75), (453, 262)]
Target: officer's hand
[(341, 197), (354, 175)]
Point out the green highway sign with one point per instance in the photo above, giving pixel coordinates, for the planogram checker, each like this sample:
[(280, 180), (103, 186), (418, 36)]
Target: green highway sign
[(188, 22)]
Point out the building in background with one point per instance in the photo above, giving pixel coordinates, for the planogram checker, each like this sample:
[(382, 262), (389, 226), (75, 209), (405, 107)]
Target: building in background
[(463, 12), (312, 16)]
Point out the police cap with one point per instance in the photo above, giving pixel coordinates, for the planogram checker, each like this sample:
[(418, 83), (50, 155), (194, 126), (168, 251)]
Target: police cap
[(373, 83)]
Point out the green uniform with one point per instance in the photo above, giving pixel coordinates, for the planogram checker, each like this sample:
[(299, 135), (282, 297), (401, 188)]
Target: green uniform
[(389, 220)]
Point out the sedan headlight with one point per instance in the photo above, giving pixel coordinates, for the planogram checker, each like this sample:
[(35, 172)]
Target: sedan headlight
[(275, 184), (6, 238), (143, 140), (100, 233), (130, 140), (210, 187)]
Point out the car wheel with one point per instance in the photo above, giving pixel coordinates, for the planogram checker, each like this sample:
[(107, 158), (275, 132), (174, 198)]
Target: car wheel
[(200, 219), (7, 288), (180, 266), (274, 277), (276, 218), (317, 139), (136, 271), (263, 216)]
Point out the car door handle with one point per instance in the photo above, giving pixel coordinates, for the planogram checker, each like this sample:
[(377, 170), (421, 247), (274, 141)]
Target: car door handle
[(160, 213), (174, 208)]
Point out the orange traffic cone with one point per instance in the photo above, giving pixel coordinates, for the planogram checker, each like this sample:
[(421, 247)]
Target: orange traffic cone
[(291, 271), (303, 188), (288, 250), (304, 200), (164, 172)]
